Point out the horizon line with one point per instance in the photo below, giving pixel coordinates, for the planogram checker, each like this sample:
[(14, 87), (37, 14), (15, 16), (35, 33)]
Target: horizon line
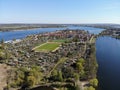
[(59, 23)]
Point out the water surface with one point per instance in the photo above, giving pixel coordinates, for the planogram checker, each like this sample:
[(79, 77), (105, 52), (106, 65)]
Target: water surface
[(19, 34), (108, 57)]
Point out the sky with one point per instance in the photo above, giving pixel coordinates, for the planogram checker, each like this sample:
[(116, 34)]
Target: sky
[(60, 11)]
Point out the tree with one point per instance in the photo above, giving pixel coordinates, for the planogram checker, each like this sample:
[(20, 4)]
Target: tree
[(81, 60), (94, 82), (35, 71), (2, 43), (77, 87), (19, 77), (31, 81), (67, 72), (82, 74), (25, 77), (75, 39), (76, 77), (2, 55), (60, 77), (80, 64), (54, 75), (79, 67), (90, 63)]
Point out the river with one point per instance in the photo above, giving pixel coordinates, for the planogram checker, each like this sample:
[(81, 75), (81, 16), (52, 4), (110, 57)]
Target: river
[(108, 57), (19, 34)]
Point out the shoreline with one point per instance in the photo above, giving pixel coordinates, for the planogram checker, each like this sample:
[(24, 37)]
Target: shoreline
[(18, 30), (25, 28), (13, 41)]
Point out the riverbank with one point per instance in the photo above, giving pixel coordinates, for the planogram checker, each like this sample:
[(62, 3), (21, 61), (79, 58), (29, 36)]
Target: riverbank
[(115, 33)]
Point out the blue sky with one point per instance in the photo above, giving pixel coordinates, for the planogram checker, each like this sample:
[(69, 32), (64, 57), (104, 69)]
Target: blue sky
[(60, 11)]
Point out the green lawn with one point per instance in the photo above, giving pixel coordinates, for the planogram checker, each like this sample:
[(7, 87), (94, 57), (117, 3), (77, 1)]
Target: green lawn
[(46, 47)]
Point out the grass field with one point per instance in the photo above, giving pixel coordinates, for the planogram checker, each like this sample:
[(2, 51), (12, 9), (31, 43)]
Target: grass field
[(49, 46), (46, 47)]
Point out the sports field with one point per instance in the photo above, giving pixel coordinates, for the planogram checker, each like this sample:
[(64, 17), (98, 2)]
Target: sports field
[(46, 47)]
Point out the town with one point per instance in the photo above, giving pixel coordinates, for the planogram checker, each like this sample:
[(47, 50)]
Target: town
[(70, 63)]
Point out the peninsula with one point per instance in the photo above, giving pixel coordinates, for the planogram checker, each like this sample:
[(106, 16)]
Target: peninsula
[(62, 60)]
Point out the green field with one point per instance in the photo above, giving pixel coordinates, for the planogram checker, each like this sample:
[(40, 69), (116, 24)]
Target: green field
[(46, 47)]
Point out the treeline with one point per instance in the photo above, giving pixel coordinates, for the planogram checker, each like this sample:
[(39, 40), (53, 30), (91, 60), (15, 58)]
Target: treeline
[(8, 27)]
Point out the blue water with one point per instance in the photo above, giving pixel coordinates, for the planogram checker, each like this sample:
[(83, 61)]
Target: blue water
[(23, 33), (108, 57)]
